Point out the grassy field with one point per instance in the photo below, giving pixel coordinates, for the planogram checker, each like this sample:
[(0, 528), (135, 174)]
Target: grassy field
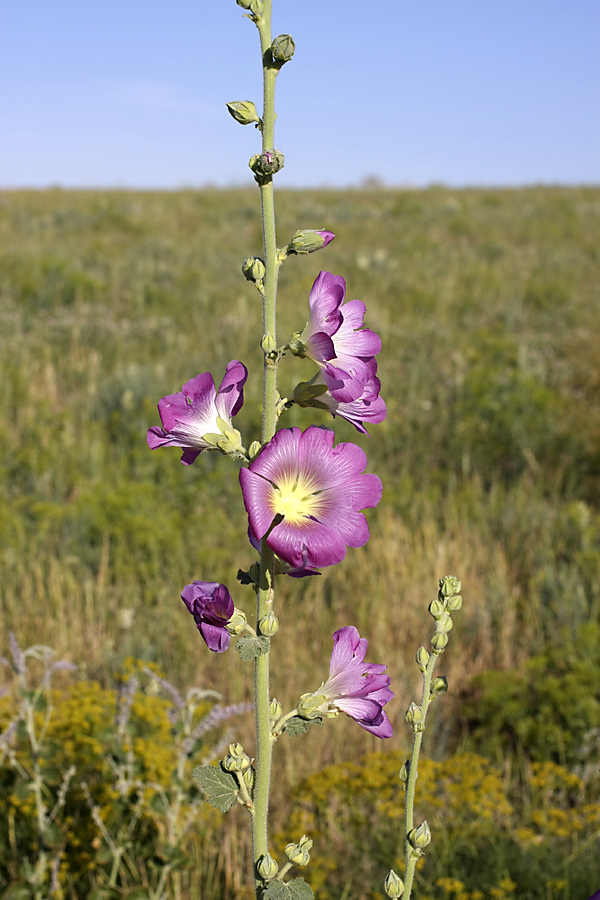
[(487, 303)]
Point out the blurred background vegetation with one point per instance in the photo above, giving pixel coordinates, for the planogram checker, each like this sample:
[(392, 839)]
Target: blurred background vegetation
[(487, 303)]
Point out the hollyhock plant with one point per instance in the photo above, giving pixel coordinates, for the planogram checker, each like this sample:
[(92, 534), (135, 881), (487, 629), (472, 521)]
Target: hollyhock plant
[(199, 417), (212, 607), (337, 340), (305, 496), (355, 687)]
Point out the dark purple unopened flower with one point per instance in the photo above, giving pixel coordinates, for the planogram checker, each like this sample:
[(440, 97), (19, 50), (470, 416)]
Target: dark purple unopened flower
[(304, 494), (199, 418), (337, 340), (355, 687), (212, 607)]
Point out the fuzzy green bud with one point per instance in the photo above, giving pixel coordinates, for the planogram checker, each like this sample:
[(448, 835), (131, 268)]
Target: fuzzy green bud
[(393, 885), (266, 164), (253, 269), (414, 715), (254, 448), (268, 343), (439, 685), (445, 623), (299, 853), (254, 6), (420, 837), (237, 622), (450, 585), (307, 240), (275, 710), (236, 760), (248, 777), (282, 48), (422, 658), (439, 641), (267, 867), (404, 773), (243, 111), (269, 624), (437, 608), (455, 603)]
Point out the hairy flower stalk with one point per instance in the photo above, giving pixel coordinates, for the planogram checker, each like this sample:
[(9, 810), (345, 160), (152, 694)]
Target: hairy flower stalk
[(264, 595)]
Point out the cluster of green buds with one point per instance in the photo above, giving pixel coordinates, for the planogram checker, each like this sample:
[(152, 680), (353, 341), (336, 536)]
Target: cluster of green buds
[(237, 760), (447, 601), (298, 854), (254, 270), (265, 165)]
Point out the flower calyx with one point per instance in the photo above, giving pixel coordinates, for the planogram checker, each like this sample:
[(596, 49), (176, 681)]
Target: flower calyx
[(307, 240), (420, 837), (393, 885), (254, 270), (236, 760), (267, 867), (298, 854), (255, 9), (282, 49)]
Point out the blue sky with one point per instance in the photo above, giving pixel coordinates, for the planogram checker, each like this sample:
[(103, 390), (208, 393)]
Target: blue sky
[(132, 93)]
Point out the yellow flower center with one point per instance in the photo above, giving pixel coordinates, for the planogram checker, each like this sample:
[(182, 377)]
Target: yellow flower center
[(297, 498)]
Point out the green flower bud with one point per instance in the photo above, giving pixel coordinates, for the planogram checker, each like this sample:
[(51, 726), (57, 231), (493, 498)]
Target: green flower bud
[(297, 347), (455, 603), (236, 760), (267, 867), (422, 658), (266, 164), (450, 585), (268, 343), (269, 624), (414, 714), (308, 240), (254, 6), (254, 449), (445, 623), (253, 269), (393, 885), (437, 608), (275, 711), (248, 777), (298, 853), (306, 394), (282, 48), (237, 622), (243, 111), (420, 837), (404, 773), (439, 685), (439, 641)]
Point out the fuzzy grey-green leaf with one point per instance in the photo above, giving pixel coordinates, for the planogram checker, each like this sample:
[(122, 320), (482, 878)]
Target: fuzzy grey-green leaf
[(297, 889), (298, 725), (221, 787), (250, 647)]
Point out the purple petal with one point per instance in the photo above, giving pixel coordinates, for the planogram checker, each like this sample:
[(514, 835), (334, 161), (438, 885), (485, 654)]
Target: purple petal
[(320, 347), (346, 641), (230, 396), (326, 296), (327, 236), (313, 545), (217, 639), (194, 403), (360, 708), (257, 494), (381, 729), (352, 338)]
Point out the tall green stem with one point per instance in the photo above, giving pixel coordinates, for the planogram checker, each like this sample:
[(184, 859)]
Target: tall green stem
[(264, 593)]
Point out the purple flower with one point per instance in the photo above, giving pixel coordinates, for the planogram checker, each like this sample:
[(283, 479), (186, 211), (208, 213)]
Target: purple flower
[(198, 416), (369, 407), (212, 607), (305, 496), (337, 340), (355, 687)]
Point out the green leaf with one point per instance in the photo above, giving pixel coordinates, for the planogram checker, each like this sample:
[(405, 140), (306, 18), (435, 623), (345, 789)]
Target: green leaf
[(250, 647), (221, 787), (297, 889), (297, 725)]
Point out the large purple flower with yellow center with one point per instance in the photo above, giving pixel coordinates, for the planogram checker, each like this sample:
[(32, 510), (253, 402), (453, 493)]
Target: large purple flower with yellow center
[(199, 417), (305, 495), (355, 687)]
